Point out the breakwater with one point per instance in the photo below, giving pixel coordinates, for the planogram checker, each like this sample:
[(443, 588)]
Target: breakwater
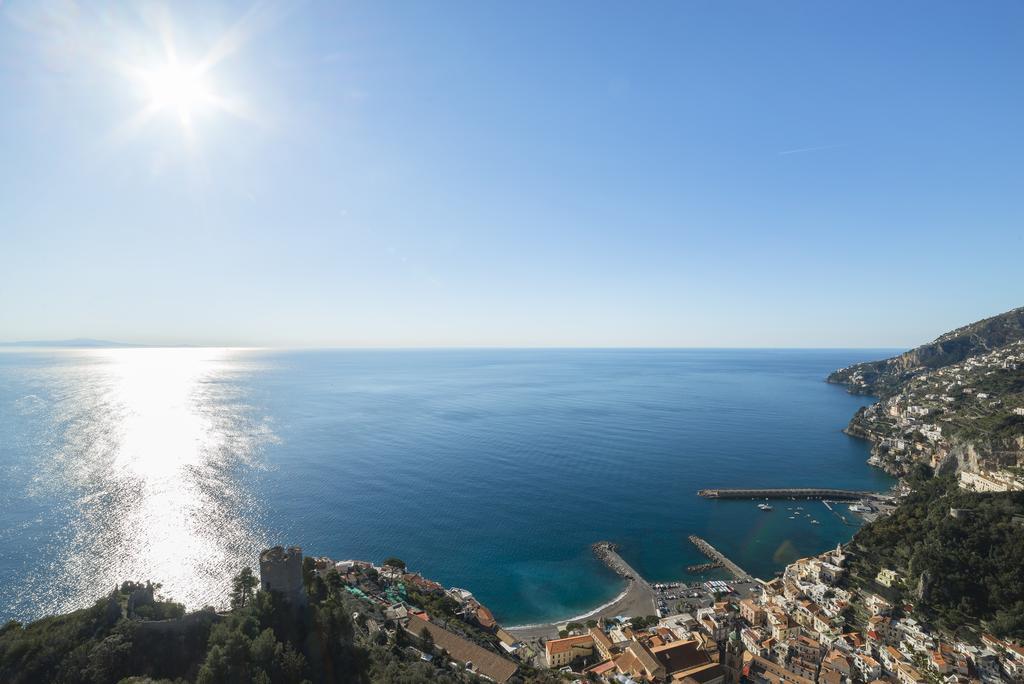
[(792, 493), (608, 554), (703, 567), (718, 557)]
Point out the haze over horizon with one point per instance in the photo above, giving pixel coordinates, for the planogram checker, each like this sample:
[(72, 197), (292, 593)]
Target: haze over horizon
[(714, 175)]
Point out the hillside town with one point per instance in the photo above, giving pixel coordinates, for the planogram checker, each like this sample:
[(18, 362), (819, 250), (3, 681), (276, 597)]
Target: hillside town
[(968, 416), (807, 625)]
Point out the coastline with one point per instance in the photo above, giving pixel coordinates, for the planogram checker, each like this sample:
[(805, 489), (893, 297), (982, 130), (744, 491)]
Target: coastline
[(635, 599), (577, 618)]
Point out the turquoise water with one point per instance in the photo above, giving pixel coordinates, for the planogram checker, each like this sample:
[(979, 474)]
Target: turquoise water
[(489, 469)]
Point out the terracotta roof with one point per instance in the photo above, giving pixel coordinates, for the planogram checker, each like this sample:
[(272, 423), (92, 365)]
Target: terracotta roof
[(600, 637), (830, 675), (505, 637), (699, 675), (909, 670), (485, 662), (644, 657), (867, 660), (601, 668), (561, 645), (627, 663), (681, 655), (484, 617), (775, 672)]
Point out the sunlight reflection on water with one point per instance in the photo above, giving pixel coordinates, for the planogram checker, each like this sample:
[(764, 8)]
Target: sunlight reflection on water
[(151, 452)]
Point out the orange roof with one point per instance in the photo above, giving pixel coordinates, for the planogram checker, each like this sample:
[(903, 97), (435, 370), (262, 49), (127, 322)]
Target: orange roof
[(626, 662), (601, 637), (644, 657), (601, 668), (561, 645), (865, 658), (484, 617), (680, 655)]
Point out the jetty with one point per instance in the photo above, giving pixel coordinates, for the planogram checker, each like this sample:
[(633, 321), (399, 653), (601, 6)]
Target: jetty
[(796, 493), (701, 568), (718, 557), (608, 553)]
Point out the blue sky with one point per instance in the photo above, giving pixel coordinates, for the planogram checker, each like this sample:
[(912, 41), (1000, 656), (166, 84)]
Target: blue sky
[(513, 174)]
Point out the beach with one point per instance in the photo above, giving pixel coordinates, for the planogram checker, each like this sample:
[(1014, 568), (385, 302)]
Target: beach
[(636, 599)]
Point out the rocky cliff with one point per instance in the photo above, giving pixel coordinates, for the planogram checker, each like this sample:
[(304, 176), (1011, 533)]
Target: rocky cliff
[(885, 377)]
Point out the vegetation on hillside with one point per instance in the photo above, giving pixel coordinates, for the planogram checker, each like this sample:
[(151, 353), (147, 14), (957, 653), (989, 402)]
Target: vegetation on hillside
[(963, 570), (262, 639)]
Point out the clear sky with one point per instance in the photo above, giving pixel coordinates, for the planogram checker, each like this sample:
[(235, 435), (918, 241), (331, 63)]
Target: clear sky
[(518, 173)]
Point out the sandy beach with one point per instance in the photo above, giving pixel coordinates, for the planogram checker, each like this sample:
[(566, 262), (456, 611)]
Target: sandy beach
[(636, 599)]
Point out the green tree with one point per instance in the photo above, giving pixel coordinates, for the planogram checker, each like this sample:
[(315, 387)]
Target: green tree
[(242, 587), (396, 563), (308, 571), (428, 640), (334, 583)]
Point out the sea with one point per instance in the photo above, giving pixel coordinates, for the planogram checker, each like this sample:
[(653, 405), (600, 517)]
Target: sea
[(488, 469)]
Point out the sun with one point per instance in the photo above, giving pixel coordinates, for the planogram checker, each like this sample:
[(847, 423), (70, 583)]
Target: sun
[(174, 80), (180, 89)]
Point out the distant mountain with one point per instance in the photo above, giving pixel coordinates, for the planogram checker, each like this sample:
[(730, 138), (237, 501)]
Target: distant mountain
[(78, 343), (886, 377)]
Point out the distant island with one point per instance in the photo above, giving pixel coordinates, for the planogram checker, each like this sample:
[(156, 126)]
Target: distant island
[(77, 343), (929, 591)]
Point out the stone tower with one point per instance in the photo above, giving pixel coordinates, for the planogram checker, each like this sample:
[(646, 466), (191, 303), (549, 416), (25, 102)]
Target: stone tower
[(731, 656), (281, 572)]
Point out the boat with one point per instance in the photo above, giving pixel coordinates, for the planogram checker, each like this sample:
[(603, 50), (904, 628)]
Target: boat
[(815, 522), (792, 517), (764, 506)]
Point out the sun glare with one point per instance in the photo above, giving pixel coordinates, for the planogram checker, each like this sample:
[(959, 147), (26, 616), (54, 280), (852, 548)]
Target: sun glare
[(180, 89), (175, 77)]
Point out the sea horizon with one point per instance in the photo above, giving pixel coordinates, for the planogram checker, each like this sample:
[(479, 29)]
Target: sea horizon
[(57, 345)]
